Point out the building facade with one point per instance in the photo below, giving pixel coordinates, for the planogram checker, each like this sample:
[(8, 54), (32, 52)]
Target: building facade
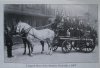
[(33, 14)]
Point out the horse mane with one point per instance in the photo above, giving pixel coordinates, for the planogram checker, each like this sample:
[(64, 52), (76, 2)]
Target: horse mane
[(23, 23)]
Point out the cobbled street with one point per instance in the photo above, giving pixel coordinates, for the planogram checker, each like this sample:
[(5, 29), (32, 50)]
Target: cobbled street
[(56, 58)]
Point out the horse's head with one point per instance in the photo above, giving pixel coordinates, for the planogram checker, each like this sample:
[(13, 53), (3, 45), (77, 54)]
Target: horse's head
[(22, 26), (19, 27)]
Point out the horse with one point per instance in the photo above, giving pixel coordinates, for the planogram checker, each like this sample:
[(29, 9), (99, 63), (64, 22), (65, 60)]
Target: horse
[(25, 41), (44, 35)]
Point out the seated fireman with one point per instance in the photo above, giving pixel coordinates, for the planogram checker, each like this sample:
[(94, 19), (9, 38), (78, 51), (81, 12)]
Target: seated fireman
[(56, 22)]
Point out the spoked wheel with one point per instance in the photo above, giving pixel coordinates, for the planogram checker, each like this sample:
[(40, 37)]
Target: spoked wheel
[(66, 47), (88, 47), (56, 42)]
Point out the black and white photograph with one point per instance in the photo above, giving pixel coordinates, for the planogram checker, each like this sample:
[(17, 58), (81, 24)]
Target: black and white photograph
[(51, 33)]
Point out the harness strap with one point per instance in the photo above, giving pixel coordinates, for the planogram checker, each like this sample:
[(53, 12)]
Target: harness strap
[(34, 36), (31, 34), (28, 30)]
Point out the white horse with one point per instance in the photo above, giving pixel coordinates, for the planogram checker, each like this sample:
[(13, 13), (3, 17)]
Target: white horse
[(45, 35)]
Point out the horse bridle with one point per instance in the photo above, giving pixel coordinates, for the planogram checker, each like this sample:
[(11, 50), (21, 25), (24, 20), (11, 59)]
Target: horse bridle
[(27, 32)]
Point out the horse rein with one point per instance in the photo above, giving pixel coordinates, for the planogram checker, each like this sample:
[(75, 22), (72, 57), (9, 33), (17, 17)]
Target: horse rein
[(27, 32), (28, 29)]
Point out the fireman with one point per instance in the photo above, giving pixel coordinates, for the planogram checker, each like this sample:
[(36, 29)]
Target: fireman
[(8, 41)]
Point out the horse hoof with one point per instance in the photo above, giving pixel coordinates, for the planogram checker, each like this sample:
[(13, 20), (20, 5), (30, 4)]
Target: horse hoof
[(24, 53), (42, 52), (47, 53), (50, 54), (29, 54)]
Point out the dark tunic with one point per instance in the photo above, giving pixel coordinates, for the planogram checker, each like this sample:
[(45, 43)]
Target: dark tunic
[(56, 22), (8, 41), (67, 24)]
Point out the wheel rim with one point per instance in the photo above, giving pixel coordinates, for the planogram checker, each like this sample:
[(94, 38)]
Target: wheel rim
[(66, 47), (56, 41), (88, 47)]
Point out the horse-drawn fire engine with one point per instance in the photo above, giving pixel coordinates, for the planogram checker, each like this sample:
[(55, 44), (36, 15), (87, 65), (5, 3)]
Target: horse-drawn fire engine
[(79, 43)]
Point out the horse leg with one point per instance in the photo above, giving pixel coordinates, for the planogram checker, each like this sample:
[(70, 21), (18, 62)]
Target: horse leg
[(49, 47), (24, 48), (30, 46), (29, 50), (24, 42), (42, 43)]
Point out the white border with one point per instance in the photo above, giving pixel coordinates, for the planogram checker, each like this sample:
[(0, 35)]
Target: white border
[(14, 65)]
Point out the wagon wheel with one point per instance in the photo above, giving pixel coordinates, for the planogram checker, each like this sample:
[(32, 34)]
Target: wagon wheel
[(55, 46), (88, 47), (66, 47)]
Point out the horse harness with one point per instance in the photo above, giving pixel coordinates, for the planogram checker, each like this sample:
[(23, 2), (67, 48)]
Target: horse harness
[(31, 34)]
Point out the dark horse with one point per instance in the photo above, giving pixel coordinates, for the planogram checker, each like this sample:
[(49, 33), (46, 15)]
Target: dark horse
[(26, 42)]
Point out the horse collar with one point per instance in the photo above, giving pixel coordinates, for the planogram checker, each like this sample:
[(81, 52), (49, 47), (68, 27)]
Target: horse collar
[(28, 29)]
